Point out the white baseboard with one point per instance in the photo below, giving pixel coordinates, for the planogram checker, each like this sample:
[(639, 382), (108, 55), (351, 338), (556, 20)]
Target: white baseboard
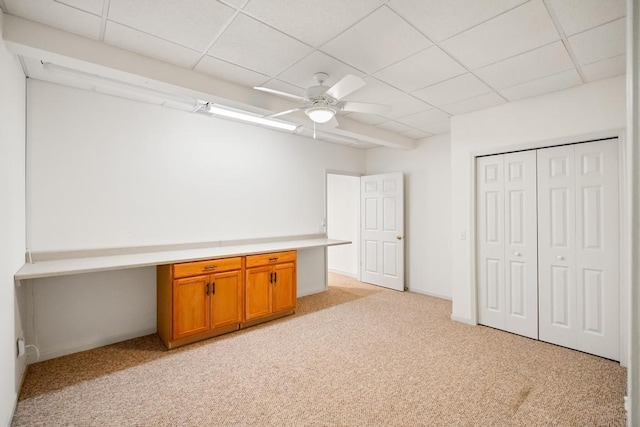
[(344, 273), (430, 294), (463, 320), (58, 352)]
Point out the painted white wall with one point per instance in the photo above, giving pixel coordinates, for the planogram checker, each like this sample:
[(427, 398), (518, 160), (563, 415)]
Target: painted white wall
[(427, 183), (109, 172), (343, 222), (12, 224), (564, 116)]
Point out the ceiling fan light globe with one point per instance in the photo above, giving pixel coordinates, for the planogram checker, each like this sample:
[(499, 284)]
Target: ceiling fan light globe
[(320, 114)]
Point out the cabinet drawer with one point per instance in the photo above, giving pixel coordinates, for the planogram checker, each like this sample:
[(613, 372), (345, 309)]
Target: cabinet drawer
[(270, 258), (209, 266)]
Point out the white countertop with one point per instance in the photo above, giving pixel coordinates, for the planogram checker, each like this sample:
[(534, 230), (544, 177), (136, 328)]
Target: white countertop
[(63, 267)]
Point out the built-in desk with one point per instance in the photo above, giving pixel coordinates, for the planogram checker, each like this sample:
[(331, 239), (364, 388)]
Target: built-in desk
[(50, 264)]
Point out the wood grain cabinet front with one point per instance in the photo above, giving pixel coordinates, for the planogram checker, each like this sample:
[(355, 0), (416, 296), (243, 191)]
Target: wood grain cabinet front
[(270, 285), (199, 306)]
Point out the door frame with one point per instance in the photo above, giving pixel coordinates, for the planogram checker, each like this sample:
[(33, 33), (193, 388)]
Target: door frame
[(625, 219), (325, 223)]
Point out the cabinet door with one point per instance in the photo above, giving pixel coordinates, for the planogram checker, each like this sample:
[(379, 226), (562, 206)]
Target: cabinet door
[(284, 287), (191, 315), (226, 298), (258, 292)]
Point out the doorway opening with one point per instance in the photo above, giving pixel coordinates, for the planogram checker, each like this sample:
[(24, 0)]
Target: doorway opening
[(343, 223)]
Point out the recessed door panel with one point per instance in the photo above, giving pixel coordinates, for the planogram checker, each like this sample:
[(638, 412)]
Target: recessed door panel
[(592, 217), (371, 214), (494, 284), (560, 296), (389, 214), (371, 256), (517, 286), (593, 301), (389, 250), (559, 211)]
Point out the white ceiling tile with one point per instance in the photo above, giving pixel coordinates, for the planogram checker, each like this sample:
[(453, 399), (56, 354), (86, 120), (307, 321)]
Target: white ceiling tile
[(604, 69), (91, 6), (284, 87), (440, 19), (544, 61), (600, 43), (519, 30), (145, 44), (252, 44), (578, 15), (405, 105), (424, 118), (311, 21), (452, 90), (481, 102), (238, 4), (301, 73), (392, 126), (415, 134), (422, 69), (377, 41), (233, 73), (374, 91), (439, 128), (191, 23), (56, 15), (548, 84), (369, 119)]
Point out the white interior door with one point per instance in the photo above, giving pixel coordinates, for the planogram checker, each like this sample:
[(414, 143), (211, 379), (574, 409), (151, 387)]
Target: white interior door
[(382, 230), (578, 247), (507, 242)]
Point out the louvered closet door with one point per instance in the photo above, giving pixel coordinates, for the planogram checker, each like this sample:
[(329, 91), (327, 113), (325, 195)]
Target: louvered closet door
[(578, 247), (507, 250)]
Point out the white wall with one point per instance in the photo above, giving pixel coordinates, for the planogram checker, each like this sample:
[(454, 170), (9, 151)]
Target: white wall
[(343, 222), (427, 179), (109, 172), (12, 226), (566, 116)]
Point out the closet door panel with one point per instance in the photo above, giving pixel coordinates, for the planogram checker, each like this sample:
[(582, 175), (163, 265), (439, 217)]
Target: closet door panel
[(521, 248), (597, 248), (556, 245), (490, 235)]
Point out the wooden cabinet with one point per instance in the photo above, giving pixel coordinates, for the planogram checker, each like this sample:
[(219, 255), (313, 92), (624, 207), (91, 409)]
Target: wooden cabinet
[(270, 285), (202, 299), (199, 300)]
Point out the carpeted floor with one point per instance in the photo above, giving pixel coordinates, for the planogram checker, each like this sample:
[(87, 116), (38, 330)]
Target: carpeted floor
[(356, 355)]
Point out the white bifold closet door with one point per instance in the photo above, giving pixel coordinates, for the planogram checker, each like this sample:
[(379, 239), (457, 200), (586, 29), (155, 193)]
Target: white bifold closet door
[(507, 250), (578, 247)]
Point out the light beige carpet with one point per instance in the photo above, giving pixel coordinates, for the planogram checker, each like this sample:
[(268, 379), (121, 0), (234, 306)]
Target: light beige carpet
[(357, 355)]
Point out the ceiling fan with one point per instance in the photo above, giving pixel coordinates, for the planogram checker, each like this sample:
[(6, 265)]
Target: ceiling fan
[(321, 102)]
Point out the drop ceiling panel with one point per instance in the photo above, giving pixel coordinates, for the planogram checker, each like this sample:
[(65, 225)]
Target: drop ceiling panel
[(604, 69), (405, 105), (238, 4), (452, 90), (439, 128), (311, 21), (233, 73), (422, 69), (254, 45), (560, 81), (191, 23), (56, 15), (524, 28), (480, 102), (301, 73), (423, 119), (440, 19), (374, 91), (284, 87), (392, 126), (415, 134), (92, 6), (600, 43), (541, 62), (369, 119), (148, 45), (368, 48), (579, 15)]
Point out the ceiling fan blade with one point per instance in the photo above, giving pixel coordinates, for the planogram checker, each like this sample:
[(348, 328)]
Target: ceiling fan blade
[(345, 86), (282, 113), (279, 93), (333, 123), (361, 107)]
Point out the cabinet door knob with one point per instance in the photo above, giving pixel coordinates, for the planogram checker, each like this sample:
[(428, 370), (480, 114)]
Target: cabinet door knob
[(517, 253), (399, 237), (560, 257)]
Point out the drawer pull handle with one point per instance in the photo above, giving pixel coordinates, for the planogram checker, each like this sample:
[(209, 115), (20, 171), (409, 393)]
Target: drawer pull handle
[(275, 277), (213, 288), (207, 289), (273, 259), (211, 267)]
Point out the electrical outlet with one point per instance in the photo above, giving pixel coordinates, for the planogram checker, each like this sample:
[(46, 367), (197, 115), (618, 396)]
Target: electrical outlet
[(21, 347)]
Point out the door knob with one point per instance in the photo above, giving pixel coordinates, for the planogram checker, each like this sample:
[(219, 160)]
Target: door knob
[(399, 237), (560, 257), (517, 253)]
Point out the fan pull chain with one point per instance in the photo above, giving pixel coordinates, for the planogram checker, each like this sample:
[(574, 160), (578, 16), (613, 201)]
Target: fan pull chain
[(314, 130)]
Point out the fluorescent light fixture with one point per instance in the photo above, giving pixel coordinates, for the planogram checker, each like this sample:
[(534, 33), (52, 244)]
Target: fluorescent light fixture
[(217, 110), (320, 114)]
